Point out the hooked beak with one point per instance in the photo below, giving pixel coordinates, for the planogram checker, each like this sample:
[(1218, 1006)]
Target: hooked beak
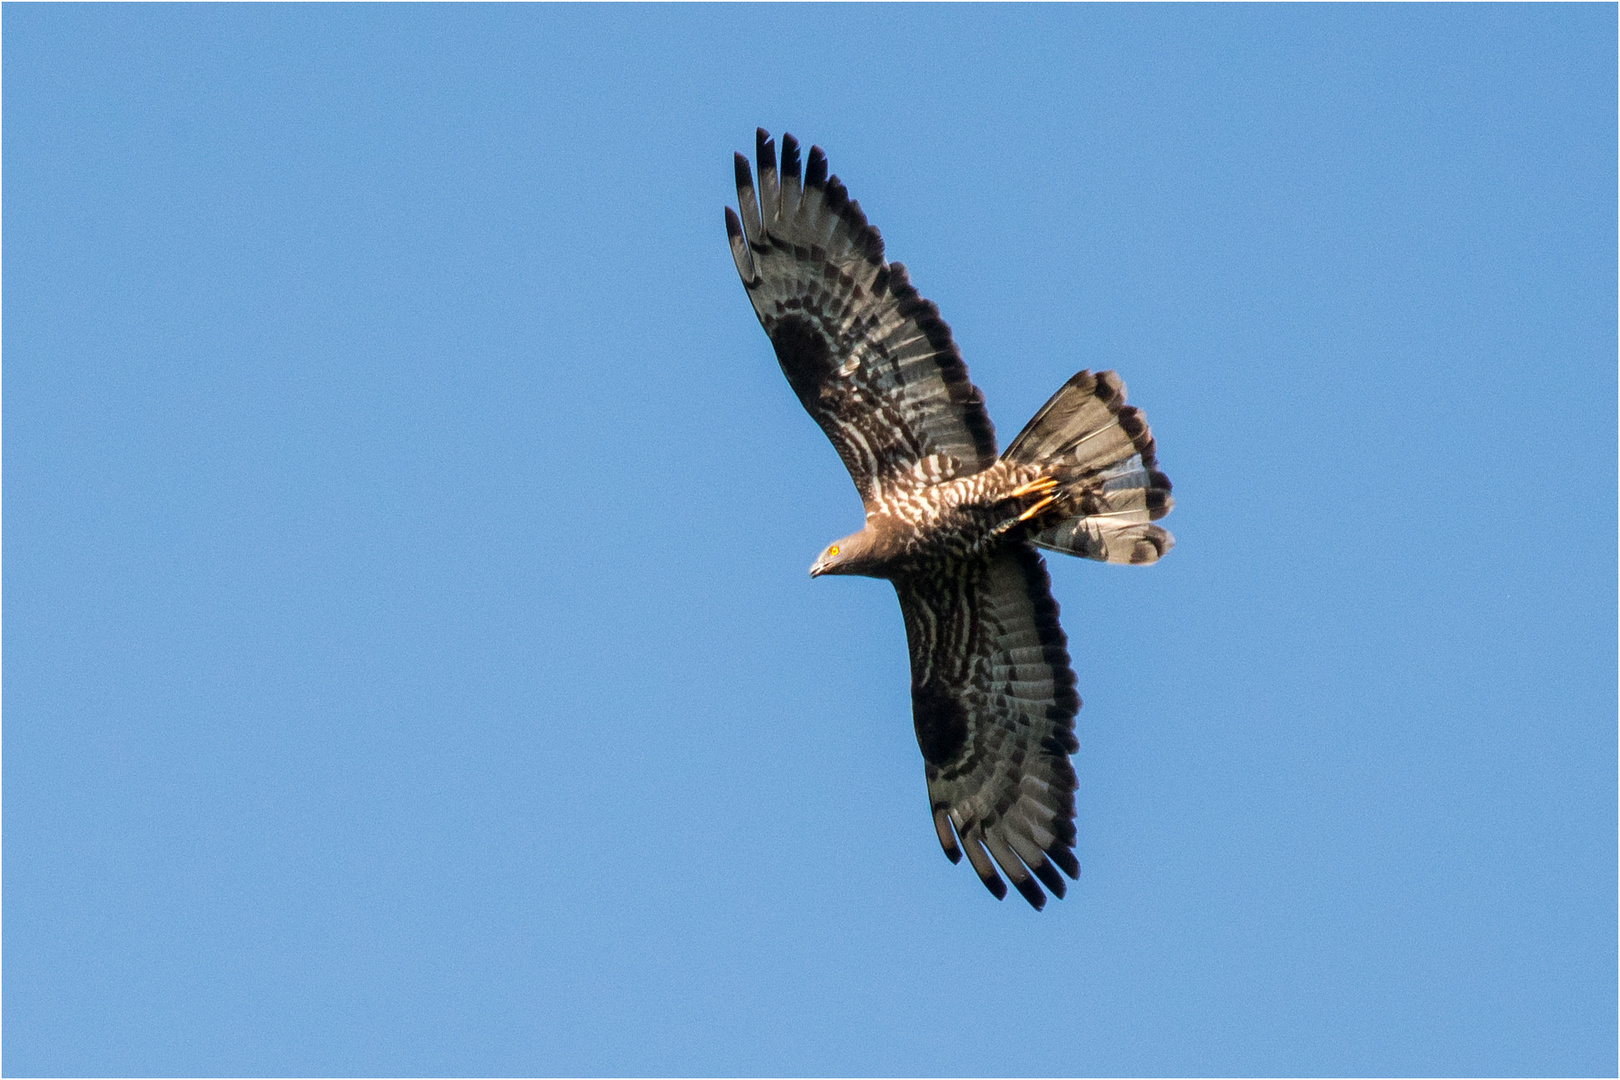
[(818, 569)]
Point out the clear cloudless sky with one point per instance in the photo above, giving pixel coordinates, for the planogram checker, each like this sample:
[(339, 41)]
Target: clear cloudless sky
[(410, 663)]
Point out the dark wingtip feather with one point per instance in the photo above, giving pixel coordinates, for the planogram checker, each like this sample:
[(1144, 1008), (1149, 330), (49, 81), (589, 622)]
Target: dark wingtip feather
[(815, 172), (838, 201), (1065, 860), (745, 177), (1063, 829), (790, 156), (997, 887), (974, 844), (1031, 892), (947, 835), (764, 152), (1051, 878), (733, 225)]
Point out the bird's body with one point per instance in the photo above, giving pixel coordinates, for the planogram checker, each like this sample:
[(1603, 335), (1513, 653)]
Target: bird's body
[(952, 524), (917, 526)]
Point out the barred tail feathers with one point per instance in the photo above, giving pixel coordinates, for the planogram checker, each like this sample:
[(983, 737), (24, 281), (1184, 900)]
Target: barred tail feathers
[(1101, 453), (1106, 540)]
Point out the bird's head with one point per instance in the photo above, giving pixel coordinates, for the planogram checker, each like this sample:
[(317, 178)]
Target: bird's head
[(854, 554)]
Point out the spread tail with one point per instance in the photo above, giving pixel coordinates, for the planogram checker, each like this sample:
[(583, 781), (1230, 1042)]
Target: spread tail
[(1100, 452)]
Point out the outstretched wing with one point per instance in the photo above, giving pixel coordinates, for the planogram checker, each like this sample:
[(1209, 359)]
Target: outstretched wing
[(993, 699), (871, 360)]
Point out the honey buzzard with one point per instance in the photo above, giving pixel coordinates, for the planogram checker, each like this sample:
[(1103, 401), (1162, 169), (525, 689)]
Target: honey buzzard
[(951, 524)]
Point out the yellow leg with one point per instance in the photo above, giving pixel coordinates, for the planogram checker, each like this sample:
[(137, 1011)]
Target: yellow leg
[(1039, 484), (1037, 508)]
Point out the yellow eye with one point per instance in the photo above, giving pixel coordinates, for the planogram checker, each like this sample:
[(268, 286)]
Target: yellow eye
[(833, 550)]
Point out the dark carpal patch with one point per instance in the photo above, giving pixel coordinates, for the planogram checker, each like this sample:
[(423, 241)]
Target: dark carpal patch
[(941, 722), (802, 351)]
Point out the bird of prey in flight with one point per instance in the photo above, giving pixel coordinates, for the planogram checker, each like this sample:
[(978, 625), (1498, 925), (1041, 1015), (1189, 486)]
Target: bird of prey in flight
[(953, 525)]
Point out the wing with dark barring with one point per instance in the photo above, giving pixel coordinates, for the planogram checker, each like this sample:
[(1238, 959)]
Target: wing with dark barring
[(994, 703), (869, 358)]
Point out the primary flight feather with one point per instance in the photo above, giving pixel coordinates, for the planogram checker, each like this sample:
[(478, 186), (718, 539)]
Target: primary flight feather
[(951, 524)]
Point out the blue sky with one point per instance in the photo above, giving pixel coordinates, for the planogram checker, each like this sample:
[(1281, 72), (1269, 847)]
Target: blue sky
[(410, 664)]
